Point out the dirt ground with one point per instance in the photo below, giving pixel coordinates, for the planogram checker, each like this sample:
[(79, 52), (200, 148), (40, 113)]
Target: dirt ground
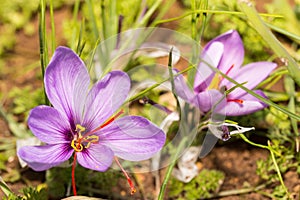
[(236, 159)]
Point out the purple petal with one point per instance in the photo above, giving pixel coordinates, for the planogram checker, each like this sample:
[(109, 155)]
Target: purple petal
[(207, 99), (212, 55), (105, 98), (133, 138), (252, 74), (41, 158), (97, 157), (182, 89), (233, 50), (66, 83), (250, 105), (49, 126)]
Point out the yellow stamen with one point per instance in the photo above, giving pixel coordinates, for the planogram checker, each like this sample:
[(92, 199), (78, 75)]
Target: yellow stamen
[(80, 128), (215, 82), (91, 139), (78, 147), (78, 139)]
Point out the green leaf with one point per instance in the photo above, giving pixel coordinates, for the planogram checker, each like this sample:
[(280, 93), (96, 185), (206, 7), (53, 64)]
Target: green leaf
[(271, 40), (6, 190)]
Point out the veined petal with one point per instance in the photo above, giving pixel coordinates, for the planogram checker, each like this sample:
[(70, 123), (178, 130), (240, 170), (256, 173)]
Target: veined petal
[(181, 88), (49, 126), (207, 99), (211, 55), (97, 157), (66, 83), (252, 74), (133, 138), (105, 98), (233, 51), (250, 105), (41, 158)]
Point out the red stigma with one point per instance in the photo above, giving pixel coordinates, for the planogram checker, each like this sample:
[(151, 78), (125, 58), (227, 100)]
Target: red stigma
[(110, 120), (226, 73), (240, 101), (230, 68), (132, 188), (88, 138)]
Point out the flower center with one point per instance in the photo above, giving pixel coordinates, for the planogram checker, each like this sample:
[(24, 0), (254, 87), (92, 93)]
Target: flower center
[(217, 79), (217, 82), (79, 142)]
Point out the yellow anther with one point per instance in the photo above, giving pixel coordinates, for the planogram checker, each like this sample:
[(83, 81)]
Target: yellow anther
[(79, 140), (75, 146), (80, 128), (91, 139), (215, 82)]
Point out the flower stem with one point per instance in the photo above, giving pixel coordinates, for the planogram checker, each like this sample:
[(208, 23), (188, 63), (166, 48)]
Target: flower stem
[(278, 171), (272, 152), (170, 169), (73, 175), (258, 145)]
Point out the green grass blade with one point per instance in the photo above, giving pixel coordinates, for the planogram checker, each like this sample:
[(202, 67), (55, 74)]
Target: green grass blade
[(271, 40), (207, 11), (270, 103), (6, 190), (278, 171), (170, 168), (258, 145), (203, 18), (43, 42), (93, 19), (148, 14), (272, 77), (290, 89), (74, 22), (142, 93), (284, 32), (80, 45), (53, 41)]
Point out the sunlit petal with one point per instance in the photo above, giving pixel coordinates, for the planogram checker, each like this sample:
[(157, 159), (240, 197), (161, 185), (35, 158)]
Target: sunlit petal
[(97, 157), (105, 98), (41, 158), (211, 57), (49, 125), (133, 138), (66, 83), (251, 74)]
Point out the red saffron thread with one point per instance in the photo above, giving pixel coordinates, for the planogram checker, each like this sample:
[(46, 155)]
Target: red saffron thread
[(227, 72), (132, 188), (73, 175), (111, 119), (106, 123), (229, 69), (240, 101), (78, 147)]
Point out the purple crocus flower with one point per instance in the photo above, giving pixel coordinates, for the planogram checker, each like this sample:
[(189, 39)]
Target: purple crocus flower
[(226, 53), (82, 120)]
